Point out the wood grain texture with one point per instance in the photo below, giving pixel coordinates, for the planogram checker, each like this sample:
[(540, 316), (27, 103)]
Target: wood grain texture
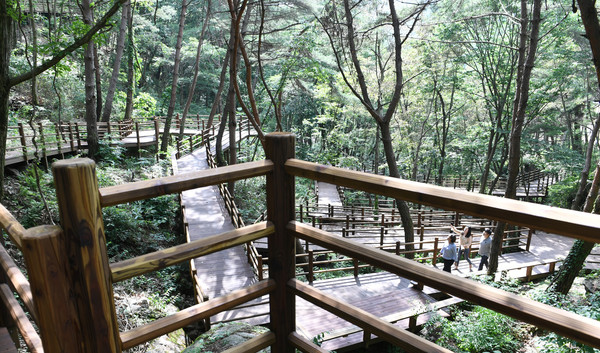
[(85, 247), (115, 195), (17, 280), (30, 336), (254, 344), (13, 228), (580, 225), (402, 338), (46, 261), (194, 313), (565, 323), (174, 255), (281, 198)]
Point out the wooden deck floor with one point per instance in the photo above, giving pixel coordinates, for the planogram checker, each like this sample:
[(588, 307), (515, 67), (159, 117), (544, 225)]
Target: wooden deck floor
[(224, 271)]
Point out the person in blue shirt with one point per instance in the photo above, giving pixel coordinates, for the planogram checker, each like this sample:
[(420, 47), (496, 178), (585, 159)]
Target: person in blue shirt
[(449, 253), (485, 247)]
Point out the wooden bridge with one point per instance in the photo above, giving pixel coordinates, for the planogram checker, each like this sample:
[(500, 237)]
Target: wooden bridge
[(86, 276), (56, 140)]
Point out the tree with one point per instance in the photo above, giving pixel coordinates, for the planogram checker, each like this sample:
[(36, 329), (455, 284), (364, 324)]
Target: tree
[(563, 280), (196, 67), (526, 62), (165, 137), (381, 112), (7, 82), (90, 88), (112, 86)]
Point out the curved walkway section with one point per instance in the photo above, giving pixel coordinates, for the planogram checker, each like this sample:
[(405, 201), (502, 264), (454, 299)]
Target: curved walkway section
[(222, 272)]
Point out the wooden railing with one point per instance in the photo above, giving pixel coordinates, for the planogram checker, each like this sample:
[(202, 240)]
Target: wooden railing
[(75, 308), (12, 280)]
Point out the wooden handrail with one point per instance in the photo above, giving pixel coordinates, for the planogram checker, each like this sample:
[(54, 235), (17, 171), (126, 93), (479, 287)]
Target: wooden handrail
[(177, 254), (114, 195), (194, 313), (30, 336), (575, 224), (17, 280), (560, 321), (13, 228), (367, 321)]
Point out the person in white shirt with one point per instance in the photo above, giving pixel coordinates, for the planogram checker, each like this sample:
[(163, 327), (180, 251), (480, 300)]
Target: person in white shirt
[(465, 245)]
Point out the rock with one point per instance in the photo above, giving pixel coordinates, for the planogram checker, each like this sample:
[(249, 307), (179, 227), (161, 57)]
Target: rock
[(224, 336), (592, 285)]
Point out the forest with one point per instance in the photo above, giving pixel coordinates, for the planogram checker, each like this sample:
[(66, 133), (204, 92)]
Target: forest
[(426, 90)]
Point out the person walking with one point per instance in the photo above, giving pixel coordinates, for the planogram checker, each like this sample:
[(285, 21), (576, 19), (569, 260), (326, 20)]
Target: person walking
[(465, 242), (449, 253), (485, 247)]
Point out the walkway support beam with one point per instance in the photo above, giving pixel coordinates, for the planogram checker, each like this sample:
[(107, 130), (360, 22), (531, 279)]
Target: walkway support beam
[(279, 147), (84, 243)]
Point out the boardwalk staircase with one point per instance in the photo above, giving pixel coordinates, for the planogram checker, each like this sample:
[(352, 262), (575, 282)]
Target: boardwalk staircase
[(68, 290)]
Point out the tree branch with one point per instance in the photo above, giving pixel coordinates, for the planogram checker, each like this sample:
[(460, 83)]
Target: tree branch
[(68, 50)]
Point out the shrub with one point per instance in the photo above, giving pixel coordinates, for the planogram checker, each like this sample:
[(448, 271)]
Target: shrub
[(481, 330)]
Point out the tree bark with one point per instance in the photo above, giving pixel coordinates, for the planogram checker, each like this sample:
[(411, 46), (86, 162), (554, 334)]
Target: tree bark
[(98, 82), (196, 68), (165, 137), (90, 91), (130, 76), (112, 86), (520, 106)]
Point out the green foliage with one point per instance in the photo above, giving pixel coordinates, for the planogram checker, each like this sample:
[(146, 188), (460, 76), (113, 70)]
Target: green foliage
[(141, 226), (563, 193), (32, 212), (481, 330), (586, 306)]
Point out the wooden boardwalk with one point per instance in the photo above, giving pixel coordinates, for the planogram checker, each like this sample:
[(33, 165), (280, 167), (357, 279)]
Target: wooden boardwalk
[(224, 271)]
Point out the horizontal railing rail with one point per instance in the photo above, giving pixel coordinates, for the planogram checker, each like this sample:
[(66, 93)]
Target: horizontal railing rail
[(12, 281)]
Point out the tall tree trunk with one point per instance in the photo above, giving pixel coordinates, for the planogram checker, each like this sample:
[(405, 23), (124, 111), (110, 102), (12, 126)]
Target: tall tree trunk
[(34, 52), (112, 85), (579, 252), (90, 92), (98, 82), (5, 51), (519, 109), (585, 172), (165, 138), (217, 101), (130, 68), (196, 68)]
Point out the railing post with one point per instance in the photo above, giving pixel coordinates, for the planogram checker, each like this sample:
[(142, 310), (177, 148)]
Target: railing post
[(310, 276), (279, 147), (137, 136), (435, 251), (43, 141), (85, 247), (157, 134), (529, 234), (23, 142), (45, 252)]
